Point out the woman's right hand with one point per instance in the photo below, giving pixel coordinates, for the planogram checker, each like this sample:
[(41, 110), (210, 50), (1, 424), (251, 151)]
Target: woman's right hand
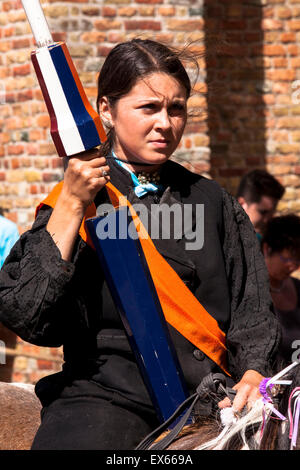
[(84, 178)]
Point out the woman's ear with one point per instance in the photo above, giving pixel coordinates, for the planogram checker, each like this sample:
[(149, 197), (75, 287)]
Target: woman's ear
[(105, 112)]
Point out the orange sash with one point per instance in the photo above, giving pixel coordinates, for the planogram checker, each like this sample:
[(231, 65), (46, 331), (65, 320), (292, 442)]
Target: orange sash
[(181, 308)]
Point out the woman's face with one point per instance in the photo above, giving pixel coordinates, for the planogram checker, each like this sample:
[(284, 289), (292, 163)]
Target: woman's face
[(282, 264), (149, 121)]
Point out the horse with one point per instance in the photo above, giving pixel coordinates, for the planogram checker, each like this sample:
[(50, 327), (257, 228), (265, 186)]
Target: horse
[(19, 416), (271, 424)]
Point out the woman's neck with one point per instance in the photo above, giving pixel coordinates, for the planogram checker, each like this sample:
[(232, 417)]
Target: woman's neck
[(138, 167)]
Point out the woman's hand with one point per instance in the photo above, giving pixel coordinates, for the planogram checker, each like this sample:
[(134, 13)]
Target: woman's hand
[(247, 391), (83, 179)]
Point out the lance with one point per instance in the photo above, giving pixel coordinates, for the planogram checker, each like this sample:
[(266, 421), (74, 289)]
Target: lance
[(75, 128), (75, 125)]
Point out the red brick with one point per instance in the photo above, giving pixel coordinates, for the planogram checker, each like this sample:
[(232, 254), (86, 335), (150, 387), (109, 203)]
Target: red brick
[(284, 13), (20, 43), (167, 11), (56, 162), (59, 36), (293, 49), (234, 25), (49, 177), (15, 163), (253, 161), (25, 95), (127, 11), (107, 24), (10, 31), (185, 25), (103, 51), (43, 120), (269, 24), (149, 1), (273, 50), (93, 37), (280, 62), (21, 70), (33, 189), (35, 134), (6, 6), (293, 25), (109, 11), (132, 25), (15, 149), (90, 11), (115, 36), (288, 37), (43, 364), (281, 74), (231, 172)]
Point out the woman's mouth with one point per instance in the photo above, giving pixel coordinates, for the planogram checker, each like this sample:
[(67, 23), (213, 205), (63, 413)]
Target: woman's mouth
[(160, 143)]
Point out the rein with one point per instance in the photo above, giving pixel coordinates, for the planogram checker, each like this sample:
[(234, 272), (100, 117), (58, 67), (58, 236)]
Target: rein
[(211, 384)]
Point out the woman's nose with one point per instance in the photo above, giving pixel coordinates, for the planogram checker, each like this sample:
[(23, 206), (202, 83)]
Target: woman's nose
[(163, 120)]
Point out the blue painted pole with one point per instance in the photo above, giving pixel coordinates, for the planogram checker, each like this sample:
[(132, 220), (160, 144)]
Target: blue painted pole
[(131, 285)]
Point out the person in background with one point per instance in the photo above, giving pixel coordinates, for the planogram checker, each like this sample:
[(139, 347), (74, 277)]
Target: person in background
[(9, 234), (259, 193), (281, 249)]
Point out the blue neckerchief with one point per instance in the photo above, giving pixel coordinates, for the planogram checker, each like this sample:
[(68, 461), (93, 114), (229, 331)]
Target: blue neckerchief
[(139, 189)]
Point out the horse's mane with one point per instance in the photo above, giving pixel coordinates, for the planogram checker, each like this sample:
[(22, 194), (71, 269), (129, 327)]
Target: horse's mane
[(276, 433), (211, 434), (257, 429), (238, 432)]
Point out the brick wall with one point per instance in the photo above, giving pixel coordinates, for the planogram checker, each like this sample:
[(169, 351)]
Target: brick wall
[(249, 116), (254, 117)]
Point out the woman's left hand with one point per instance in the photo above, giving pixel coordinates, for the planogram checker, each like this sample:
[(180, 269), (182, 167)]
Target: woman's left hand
[(247, 391)]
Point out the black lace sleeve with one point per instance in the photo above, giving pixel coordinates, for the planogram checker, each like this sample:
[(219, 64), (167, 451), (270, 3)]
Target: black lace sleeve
[(254, 332), (34, 284)]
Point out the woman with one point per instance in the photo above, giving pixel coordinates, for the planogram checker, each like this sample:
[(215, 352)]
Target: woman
[(281, 248), (52, 287)]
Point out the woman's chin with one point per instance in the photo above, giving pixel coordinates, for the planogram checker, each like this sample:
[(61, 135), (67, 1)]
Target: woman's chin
[(155, 159)]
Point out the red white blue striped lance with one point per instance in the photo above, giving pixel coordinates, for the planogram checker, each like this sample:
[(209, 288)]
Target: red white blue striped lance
[(75, 126)]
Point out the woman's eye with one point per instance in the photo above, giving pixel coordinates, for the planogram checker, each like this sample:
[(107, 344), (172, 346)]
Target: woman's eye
[(173, 109), (150, 106), (176, 109)]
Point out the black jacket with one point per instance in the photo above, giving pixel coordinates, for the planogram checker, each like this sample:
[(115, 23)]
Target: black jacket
[(50, 302)]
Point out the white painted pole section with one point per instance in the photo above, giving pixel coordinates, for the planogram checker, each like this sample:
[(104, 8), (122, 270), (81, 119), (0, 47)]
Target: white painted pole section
[(38, 23), (68, 130)]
